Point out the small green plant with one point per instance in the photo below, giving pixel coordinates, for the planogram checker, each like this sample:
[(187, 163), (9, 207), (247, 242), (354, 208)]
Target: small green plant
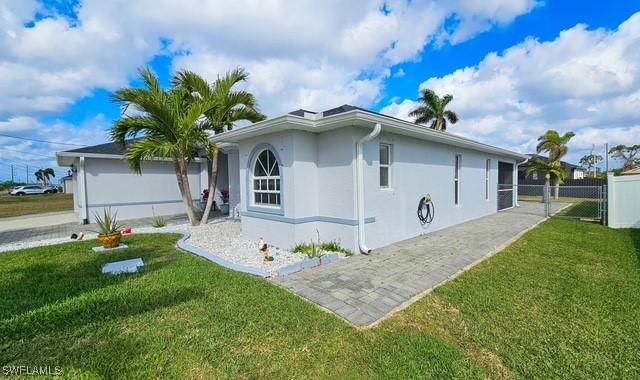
[(334, 246), (315, 250), (107, 223), (318, 249), (158, 221)]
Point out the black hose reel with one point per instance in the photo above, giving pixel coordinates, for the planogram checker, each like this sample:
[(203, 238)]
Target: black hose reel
[(426, 210)]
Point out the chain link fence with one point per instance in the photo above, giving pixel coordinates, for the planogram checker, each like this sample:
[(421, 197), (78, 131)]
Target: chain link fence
[(577, 202)]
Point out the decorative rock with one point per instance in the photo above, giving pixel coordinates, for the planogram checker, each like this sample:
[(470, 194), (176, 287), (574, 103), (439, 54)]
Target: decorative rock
[(102, 249), (124, 266)]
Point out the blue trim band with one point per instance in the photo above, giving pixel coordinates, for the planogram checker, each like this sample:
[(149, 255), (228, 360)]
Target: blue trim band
[(308, 219), (141, 203)]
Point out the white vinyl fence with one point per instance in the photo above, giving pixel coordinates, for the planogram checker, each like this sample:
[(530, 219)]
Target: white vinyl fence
[(624, 201)]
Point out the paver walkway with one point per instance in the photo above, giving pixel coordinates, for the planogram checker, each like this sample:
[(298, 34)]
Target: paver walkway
[(364, 289)]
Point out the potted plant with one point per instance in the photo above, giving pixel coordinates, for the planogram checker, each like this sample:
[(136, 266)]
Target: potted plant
[(109, 233), (224, 194)]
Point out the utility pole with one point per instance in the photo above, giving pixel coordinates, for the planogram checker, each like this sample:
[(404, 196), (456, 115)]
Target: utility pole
[(606, 154), (12, 173), (27, 179)]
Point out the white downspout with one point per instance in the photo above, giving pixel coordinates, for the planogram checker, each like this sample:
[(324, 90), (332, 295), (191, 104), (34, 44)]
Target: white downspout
[(360, 185)]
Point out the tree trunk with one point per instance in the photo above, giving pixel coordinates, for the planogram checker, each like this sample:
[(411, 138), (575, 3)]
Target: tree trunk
[(212, 186), (185, 190), (556, 190)]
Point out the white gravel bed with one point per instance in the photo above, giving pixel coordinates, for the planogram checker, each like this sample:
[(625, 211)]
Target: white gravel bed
[(33, 244), (223, 239)]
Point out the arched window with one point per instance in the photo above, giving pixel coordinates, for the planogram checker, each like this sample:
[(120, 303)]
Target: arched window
[(266, 179)]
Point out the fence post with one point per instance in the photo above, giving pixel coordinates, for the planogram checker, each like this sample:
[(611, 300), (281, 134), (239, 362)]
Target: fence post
[(611, 191)]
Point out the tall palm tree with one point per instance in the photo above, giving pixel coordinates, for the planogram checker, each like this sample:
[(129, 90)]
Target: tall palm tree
[(230, 107), (433, 109), (47, 174), (556, 146), (165, 126), (550, 169), (39, 174)]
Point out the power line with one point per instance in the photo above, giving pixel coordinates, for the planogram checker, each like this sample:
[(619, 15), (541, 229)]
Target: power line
[(23, 152), (43, 141)]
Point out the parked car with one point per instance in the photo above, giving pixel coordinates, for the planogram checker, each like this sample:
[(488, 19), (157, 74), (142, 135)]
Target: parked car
[(31, 189)]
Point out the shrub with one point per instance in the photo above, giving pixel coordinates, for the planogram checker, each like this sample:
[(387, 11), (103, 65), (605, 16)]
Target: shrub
[(107, 223), (310, 249), (158, 222)]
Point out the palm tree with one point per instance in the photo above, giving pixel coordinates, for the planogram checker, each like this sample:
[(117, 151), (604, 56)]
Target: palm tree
[(39, 174), (550, 169), (556, 146), (47, 174), (165, 126), (432, 109), (230, 107)]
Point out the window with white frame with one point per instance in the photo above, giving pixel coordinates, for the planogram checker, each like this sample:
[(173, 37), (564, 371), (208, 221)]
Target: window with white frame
[(456, 180), (487, 171), (266, 180), (385, 166)]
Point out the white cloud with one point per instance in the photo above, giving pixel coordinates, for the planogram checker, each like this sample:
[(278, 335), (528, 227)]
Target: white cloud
[(37, 155), (587, 81), (299, 53), (330, 45)]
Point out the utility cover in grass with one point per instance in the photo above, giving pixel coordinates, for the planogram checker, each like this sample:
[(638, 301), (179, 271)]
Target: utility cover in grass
[(124, 266), (102, 249)]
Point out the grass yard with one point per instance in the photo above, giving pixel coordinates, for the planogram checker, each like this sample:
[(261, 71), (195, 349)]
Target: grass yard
[(563, 302), (34, 204)]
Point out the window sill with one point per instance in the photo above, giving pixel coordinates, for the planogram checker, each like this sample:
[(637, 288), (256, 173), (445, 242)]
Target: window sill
[(266, 209)]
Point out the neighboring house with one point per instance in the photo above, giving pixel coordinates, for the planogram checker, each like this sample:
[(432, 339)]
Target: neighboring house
[(573, 171), (101, 178), (296, 176), (634, 171), (67, 184)]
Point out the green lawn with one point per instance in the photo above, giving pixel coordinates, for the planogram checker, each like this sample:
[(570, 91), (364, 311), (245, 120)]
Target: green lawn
[(563, 302), (581, 209), (34, 204)]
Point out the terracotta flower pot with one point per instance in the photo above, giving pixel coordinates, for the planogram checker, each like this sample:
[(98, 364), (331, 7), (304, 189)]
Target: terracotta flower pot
[(111, 240)]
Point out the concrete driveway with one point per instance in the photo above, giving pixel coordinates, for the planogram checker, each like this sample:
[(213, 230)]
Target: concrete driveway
[(366, 289), (37, 220)]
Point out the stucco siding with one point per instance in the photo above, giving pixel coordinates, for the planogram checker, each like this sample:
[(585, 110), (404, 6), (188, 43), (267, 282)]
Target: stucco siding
[(419, 168), (111, 183), (234, 182), (318, 188)]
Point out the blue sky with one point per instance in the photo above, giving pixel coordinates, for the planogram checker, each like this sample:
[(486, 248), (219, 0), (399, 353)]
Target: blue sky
[(515, 67)]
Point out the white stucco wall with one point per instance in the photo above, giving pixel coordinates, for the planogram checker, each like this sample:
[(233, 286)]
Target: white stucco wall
[(318, 188), (233, 166), (111, 183), (420, 168)]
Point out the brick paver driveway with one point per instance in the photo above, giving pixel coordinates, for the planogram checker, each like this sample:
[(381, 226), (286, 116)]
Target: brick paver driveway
[(365, 289)]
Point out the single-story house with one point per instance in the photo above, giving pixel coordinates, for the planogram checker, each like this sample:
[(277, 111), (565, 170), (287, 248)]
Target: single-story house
[(573, 171), (67, 184), (357, 176), (345, 174)]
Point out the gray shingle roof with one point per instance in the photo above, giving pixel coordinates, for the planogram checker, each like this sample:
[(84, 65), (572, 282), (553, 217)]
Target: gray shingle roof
[(108, 148)]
